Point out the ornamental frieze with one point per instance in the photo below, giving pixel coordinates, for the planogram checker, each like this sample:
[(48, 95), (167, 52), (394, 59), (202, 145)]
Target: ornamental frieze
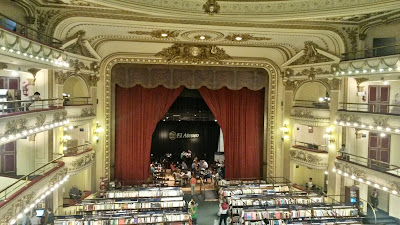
[(17, 207), (245, 37), (306, 113), (193, 53), (40, 119), (305, 156), (86, 112), (352, 170), (15, 126), (59, 116), (380, 121), (157, 33), (82, 162)]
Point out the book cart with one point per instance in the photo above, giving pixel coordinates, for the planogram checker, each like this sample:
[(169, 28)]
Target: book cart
[(160, 206)]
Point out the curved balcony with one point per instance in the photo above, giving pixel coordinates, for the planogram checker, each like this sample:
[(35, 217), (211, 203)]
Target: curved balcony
[(373, 172), (310, 155), (76, 162), (23, 192), (80, 108), (311, 113)]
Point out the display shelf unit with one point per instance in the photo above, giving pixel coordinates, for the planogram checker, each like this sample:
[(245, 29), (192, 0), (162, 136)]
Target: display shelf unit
[(290, 214), (93, 206), (144, 193), (155, 218), (251, 189)]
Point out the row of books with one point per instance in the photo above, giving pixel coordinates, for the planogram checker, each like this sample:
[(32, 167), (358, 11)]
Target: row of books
[(293, 214), (143, 193), (281, 222), (274, 201), (133, 205), (226, 192), (153, 219)]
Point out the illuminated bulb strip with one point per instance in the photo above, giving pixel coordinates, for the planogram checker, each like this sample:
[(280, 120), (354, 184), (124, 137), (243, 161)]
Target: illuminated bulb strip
[(31, 131), (361, 180), (43, 196), (55, 62), (379, 128)]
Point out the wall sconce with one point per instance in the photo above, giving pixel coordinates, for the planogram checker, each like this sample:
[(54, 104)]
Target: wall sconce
[(329, 136), (97, 130), (211, 7), (285, 131)]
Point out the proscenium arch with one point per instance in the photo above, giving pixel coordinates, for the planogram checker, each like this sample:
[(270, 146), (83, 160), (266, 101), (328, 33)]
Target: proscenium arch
[(77, 86), (269, 155)]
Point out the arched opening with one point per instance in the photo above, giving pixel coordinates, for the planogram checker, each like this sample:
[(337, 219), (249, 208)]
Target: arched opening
[(312, 94), (76, 91)]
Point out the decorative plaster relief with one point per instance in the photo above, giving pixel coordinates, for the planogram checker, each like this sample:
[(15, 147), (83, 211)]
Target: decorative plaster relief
[(193, 53)]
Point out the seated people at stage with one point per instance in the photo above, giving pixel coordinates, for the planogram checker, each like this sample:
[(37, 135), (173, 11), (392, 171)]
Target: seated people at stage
[(184, 166)]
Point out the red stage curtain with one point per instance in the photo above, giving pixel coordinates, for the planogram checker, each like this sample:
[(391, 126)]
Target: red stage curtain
[(240, 114), (138, 110)]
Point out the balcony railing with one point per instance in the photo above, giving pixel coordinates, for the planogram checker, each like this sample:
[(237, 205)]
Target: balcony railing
[(310, 147), (311, 104), (25, 31), (372, 52), (77, 101), (24, 181), (7, 107), (371, 163), (76, 150), (370, 108)]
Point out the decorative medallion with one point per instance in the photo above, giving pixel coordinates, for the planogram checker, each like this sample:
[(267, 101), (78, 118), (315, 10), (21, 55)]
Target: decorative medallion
[(245, 37), (211, 7), (158, 33), (197, 34), (193, 53)]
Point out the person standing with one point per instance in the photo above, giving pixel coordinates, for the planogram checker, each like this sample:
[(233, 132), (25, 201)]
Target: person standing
[(152, 171), (309, 184), (343, 151), (193, 185), (374, 199), (32, 99), (50, 217), (193, 211), (223, 212)]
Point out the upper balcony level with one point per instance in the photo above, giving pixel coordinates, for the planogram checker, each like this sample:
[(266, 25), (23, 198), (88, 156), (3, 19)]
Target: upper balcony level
[(28, 32), (375, 173), (383, 60)]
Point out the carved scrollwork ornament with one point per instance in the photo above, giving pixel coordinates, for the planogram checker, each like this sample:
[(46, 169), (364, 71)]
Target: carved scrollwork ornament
[(86, 112), (82, 162), (59, 116), (193, 53), (3, 66), (40, 119), (305, 156), (158, 33), (15, 126), (380, 121)]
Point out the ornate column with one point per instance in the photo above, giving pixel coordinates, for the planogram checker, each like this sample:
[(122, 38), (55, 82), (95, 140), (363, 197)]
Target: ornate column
[(287, 108)]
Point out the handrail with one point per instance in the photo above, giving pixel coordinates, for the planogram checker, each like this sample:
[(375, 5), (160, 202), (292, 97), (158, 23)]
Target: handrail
[(380, 108), (28, 105), (371, 163), (28, 32), (311, 104), (311, 146), (68, 153), (25, 178), (71, 101), (371, 52)]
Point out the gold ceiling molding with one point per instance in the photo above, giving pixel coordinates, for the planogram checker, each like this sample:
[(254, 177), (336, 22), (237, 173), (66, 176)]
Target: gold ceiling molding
[(210, 35), (193, 53), (245, 37), (297, 25), (294, 85), (158, 33), (352, 35), (151, 76), (270, 136), (90, 80), (311, 55)]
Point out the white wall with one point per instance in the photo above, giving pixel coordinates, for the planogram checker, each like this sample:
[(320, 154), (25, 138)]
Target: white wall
[(311, 91), (25, 156), (300, 132), (394, 209), (301, 175)]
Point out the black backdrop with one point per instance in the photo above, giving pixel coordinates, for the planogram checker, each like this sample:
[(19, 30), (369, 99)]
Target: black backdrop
[(203, 146)]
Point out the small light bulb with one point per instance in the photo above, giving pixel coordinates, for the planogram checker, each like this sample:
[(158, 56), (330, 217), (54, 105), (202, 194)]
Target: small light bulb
[(388, 129), (326, 172), (385, 188), (360, 180), (346, 174), (363, 126), (355, 124), (394, 192), (238, 38), (376, 185), (202, 37), (371, 127), (334, 170), (339, 172), (353, 177), (368, 182)]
